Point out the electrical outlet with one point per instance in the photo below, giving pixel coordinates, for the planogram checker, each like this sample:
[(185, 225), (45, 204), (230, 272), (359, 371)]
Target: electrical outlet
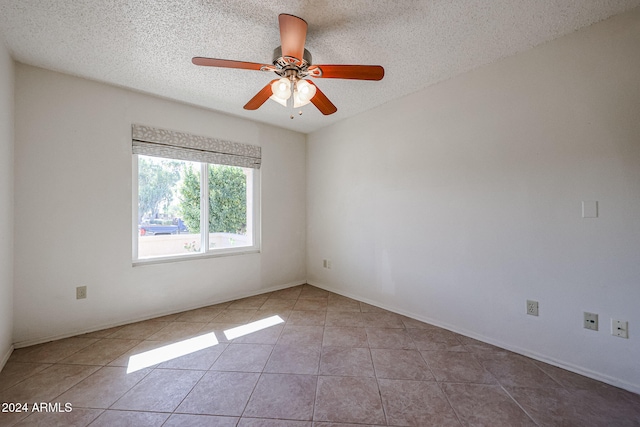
[(532, 308), (619, 328), (81, 292), (591, 321)]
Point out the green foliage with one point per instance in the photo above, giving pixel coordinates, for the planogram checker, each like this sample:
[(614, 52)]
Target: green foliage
[(156, 179), (227, 199), (190, 199)]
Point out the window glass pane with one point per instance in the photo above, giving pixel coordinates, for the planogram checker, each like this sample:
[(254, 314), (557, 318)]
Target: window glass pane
[(230, 221), (168, 207)]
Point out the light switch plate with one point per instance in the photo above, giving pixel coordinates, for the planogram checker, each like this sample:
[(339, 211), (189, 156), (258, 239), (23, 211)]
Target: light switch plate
[(589, 209)]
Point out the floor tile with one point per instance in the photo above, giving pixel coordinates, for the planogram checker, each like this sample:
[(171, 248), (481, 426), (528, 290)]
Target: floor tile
[(569, 379), (283, 396), (140, 330), (457, 366), (516, 371), (435, 339), (288, 293), (479, 347), (76, 417), (113, 418), (268, 335), (618, 407), (382, 320), (302, 335), (243, 358), (307, 318), (559, 407), (144, 346), (248, 303), (220, 393), (400, 364), (278, 304), (53, 351), (235, 316), (368, 308), (416, 403), (348, 400), (389, 338), (340, 303), (199, 360), (309, 291), (47, 384), (200, 315), (14, 372), (219, 329), (267, 313), (265, 422), (160, 391), (102, 388), (344, 319), (102, 352), (102, 333), (344, 337), (294, 359), (346, 361), (483, 404), (10, 419), (410, 323), (325, 424), (168, 317), (311, 304), (190, 420), (177, 331)]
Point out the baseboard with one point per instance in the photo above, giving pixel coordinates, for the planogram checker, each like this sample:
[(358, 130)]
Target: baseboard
[(239, 295), (616, 382), (5, 357)]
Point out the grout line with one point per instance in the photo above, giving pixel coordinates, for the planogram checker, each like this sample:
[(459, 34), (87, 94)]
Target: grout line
[(449, 402), (518, 403)]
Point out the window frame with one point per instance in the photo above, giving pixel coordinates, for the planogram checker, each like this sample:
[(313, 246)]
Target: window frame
[(253, 218)]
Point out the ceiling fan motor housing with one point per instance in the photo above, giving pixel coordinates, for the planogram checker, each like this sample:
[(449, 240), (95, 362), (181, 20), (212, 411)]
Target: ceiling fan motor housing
[(284, 63)]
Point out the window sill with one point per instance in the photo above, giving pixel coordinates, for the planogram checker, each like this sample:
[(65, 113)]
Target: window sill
[(171, 259)]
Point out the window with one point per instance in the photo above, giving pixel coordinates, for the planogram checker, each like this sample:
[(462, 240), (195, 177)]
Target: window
[(185, 208)]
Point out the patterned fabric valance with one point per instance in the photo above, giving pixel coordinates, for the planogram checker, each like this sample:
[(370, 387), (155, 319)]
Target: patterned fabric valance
[(183, 146)]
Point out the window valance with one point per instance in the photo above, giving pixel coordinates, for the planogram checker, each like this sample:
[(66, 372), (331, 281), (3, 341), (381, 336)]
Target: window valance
[(170, 144)]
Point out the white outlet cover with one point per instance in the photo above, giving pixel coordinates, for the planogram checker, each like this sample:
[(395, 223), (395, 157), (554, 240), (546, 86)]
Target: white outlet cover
[(590, 321), (532, 308), (619, 328)]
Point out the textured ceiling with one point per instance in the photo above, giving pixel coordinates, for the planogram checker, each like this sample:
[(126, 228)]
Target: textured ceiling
[(147, 45)]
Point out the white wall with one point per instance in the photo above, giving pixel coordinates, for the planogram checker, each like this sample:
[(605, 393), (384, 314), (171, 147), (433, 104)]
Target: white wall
[(73, 189), (458, 203), (6, 203)]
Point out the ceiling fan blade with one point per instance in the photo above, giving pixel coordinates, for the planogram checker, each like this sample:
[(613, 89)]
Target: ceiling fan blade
[(293, 33), (226, 63), (260, 97), (354, 72), (322, 103)]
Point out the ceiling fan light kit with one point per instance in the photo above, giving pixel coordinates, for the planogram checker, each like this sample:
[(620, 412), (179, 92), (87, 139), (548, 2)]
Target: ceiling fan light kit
[(292, 63)]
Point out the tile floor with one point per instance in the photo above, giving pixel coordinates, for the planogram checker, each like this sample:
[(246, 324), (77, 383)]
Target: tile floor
[(333, 361)]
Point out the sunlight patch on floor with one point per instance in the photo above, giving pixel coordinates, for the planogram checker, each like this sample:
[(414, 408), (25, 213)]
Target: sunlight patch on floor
[(256, 326), (171, 351)]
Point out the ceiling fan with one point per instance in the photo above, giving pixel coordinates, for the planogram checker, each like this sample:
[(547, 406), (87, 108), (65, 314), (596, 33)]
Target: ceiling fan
[(292, 62)]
